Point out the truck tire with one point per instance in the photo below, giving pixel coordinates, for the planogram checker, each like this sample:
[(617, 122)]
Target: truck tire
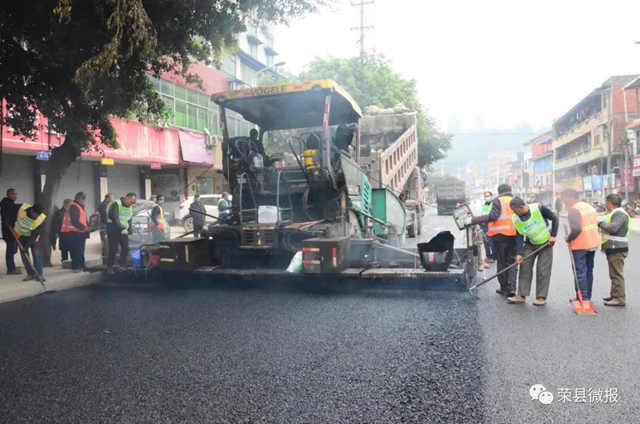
[(411, 231)]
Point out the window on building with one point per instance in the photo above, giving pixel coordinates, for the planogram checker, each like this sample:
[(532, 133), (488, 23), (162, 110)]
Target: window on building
[(252, 29), (203, 119), (192, 117), (247, 74), (180, 92), (269, 60), (166, 87), (193, 97), (253, 50), (229, 65), (204, 186), (268, 41), (193, 110), (156, 83), (172, 113), (214, 118), (181, 114)]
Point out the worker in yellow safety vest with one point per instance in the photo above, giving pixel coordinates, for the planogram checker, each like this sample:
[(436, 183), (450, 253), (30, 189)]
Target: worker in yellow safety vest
[(584, 239), (27, 233), (119, 221), (503, 235), (157, 224)]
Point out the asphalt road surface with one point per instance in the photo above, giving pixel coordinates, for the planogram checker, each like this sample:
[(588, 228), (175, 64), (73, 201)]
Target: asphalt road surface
[(198, 352)]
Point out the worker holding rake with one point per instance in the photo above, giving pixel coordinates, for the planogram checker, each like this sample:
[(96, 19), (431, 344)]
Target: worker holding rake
[(532, 225)]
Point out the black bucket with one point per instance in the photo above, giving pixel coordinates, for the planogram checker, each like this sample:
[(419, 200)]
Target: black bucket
[(437, 254)]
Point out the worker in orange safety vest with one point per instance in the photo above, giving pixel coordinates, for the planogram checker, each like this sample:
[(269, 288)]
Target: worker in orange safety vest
[(503, 235), (584, 239), (75, 228)]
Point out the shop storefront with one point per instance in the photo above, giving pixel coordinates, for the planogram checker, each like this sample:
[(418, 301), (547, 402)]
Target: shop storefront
[(17, 172), (198, 153)]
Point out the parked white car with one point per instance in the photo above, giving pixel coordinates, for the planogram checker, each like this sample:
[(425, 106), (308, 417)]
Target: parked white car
[(183, 216)]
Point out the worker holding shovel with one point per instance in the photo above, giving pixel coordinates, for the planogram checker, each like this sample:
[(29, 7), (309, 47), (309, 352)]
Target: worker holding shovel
[(532, 225), (26, 232)]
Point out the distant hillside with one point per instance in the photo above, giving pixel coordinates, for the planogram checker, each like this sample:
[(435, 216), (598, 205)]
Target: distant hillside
[(475, 145)]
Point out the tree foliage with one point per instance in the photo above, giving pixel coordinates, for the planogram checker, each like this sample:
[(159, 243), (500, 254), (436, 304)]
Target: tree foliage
[(81, 62), (371, 81)]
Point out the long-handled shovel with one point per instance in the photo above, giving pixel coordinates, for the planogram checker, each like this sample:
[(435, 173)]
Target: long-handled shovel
[(30, 263), (507, 268), (582, 307)]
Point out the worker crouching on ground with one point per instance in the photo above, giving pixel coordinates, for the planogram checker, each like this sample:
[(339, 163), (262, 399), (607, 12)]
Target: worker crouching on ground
[(616, 228), (157, 223), (119, 215), (27, 234), (75, 228), (584, 239), (532, 225), (503, 234)]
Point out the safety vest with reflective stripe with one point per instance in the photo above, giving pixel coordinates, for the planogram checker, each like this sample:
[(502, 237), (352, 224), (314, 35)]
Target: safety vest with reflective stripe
[(159, 217), (486, 209), (125, 213), (589, 238), (224, 203), (503, 225), (534, 228), (605, 234), (24, 224), (67, 226)]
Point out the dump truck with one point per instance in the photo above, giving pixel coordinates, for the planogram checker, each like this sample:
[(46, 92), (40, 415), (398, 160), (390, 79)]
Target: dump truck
[(389, 149), (450, 192), (317, 217)]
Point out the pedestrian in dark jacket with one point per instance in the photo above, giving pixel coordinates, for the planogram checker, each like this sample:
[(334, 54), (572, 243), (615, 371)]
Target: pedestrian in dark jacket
[(199, 216), (616, 228), (119, 222), (9, 214)]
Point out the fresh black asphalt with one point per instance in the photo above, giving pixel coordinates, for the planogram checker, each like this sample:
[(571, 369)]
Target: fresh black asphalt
[(198, 352)]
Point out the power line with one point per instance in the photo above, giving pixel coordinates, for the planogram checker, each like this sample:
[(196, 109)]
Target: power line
[(362, 28)]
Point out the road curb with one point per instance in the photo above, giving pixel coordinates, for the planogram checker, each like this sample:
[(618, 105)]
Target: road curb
[(10, 292)]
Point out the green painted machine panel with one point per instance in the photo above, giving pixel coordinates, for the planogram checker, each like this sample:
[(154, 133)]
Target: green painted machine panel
[(387, 207)]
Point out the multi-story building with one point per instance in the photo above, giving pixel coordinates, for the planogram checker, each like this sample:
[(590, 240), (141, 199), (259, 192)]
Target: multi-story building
[(633, 127), (180, 159), (539, 156), (590, 136)]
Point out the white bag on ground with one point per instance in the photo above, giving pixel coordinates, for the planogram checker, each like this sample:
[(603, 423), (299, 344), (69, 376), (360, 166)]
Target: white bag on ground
[(295, 267)]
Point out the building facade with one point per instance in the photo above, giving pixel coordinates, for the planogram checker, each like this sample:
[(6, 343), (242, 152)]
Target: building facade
[(180, 159), (590, 139)]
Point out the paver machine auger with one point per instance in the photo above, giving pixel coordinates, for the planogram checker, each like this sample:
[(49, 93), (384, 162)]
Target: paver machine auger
[(314, 199)]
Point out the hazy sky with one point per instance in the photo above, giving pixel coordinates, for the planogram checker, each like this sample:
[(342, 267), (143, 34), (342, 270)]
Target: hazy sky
[(497, 62)]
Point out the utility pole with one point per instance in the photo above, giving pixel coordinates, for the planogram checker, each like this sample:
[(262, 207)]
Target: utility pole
[(362, 28), (626, 169)]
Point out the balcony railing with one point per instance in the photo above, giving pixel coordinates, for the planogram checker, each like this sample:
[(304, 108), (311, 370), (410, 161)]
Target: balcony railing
[(579, 158), (583, 128)]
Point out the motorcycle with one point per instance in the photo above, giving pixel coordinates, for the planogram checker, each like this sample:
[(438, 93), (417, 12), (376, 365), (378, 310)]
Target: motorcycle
[(629, 208)]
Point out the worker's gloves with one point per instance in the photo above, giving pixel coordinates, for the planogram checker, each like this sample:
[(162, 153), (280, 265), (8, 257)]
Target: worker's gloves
[(125, 231)]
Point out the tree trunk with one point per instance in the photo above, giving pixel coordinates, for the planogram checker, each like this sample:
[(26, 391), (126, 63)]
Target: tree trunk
[(61, 158)]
